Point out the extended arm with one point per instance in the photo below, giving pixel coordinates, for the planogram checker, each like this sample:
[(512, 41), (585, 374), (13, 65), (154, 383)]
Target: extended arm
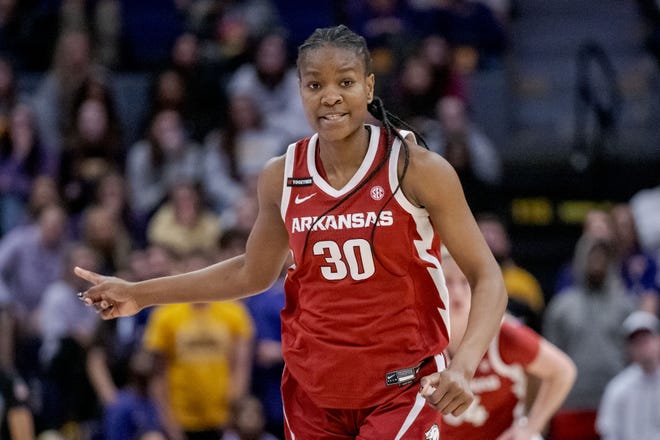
[(250, 273)]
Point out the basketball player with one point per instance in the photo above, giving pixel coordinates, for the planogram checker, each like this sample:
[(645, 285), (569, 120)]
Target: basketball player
[(500, 383), (363, 210)]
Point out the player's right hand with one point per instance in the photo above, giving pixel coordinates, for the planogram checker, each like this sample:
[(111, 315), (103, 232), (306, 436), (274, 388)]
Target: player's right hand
[(110, 296), (447, 391)]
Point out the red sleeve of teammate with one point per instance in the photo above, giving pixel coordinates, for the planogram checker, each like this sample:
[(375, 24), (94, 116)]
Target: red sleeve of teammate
[(518, 343)]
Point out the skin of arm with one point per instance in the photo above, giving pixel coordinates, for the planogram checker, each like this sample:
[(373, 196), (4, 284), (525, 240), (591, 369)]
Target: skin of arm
[(244, 275), (159, 392), (556, 372), (100, 377), (21, 425), (432, 183), (241, 367)]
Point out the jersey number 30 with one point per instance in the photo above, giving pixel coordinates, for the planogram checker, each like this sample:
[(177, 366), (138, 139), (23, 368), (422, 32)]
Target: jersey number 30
[(353, 259)]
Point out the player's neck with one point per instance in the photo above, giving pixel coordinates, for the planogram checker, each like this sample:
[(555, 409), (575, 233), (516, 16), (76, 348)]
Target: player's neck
[(340, 160)]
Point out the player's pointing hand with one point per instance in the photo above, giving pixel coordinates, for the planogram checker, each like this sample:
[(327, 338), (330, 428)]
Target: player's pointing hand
[(110, 296)]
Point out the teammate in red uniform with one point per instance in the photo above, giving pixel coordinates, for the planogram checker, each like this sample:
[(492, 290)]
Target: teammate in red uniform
[(500, 383), (363, 209)]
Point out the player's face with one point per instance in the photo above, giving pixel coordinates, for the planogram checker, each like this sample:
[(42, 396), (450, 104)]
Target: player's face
[(335, 90), (457, 286)]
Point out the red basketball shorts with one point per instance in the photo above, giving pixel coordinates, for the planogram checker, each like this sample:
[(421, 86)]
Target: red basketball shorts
[(405, 417)]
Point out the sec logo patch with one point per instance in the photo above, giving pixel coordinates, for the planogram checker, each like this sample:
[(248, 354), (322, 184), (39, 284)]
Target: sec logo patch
[(377, 192)]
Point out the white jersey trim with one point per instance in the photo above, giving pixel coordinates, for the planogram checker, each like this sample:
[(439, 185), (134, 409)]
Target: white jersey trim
[(288, 172), (393, 174), (359, 174), (424, 229)]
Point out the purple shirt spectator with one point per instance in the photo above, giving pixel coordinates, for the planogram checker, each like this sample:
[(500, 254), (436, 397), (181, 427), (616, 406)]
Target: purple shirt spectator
[(30, 261)]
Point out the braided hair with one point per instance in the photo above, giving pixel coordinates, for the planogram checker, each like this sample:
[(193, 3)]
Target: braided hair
[(342, 37)]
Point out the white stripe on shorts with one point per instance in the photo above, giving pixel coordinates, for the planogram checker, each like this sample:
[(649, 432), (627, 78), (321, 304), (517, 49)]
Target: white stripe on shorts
[(419, 401)]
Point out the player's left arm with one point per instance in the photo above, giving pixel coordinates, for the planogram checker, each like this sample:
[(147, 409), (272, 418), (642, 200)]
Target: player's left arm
[(432, 183), (556, 372)]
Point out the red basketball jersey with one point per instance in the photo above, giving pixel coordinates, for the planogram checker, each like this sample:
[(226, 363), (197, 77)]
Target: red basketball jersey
[(357, 306), (499, 386)]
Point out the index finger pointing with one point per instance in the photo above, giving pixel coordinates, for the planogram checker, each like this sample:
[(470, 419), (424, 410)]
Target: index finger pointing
[(88, 275)]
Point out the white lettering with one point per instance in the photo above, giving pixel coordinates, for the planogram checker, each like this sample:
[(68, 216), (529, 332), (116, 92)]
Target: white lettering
[(354, 220)]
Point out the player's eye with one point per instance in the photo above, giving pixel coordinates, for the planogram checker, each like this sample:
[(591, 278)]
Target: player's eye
[(347, 83)]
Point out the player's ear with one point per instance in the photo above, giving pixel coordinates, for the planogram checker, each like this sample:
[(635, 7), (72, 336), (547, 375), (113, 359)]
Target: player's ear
[(371, 84)]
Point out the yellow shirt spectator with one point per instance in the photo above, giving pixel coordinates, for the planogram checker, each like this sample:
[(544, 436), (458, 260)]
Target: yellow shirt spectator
[(204, 346)]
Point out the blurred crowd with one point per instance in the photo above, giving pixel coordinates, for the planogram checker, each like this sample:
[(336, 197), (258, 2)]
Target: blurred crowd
[(222, 98)]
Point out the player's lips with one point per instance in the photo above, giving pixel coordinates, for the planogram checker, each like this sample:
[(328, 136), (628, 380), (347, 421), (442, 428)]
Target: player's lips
[(333, 116)]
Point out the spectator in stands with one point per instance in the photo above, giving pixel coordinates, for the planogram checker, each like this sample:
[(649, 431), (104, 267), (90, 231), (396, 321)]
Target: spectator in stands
[(60, 314), (112, 195), (105, 233), (650, 12), (268, 363), (9, 29), (92, 148), (645, 205), (16, 421), (241, 148), (205, 96), (272, 82), (469, 150), (386, 25), (629, 407), (584, 321), (247, 421), (6, 334), (477, 36), (227, 42), (415, 91), (243, 213), (134, 413), (23, 157), (454, 124), (54, 97), (257, 17), (98, 85), (597, 224), (205, 357), (164, 157), (169, 91), (436, 51), (31, 258), (66, 329), (8, 90), (114, 342), (231, 243), (102, 19), (42, 194), (638, 269), (184, 224), (526, 299)]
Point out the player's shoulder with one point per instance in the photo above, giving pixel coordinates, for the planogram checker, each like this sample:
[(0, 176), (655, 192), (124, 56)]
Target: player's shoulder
[(513, 329), (273, 171)]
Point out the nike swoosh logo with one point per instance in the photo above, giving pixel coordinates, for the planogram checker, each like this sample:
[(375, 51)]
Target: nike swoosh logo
[(300, 200)]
